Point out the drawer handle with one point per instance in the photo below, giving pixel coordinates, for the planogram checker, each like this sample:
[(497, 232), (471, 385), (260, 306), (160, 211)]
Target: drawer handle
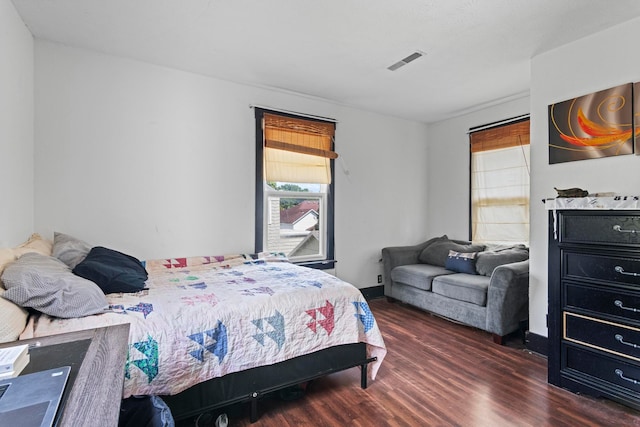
[(618, 303), (621, 375), (620, 270), (621, 340), (622, 230)]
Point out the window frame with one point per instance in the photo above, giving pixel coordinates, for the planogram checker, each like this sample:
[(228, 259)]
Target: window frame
[(511, 121), (322, 223), (261, 217)]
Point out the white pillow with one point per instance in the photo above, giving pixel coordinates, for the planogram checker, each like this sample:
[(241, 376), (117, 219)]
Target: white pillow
[(6, 256), (35, 243), (13, 319)]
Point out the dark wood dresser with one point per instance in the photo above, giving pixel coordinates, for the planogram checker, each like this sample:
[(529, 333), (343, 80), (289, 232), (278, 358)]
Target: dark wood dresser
[(594, 303)]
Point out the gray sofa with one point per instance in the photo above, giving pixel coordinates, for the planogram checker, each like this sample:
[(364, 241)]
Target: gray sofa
[(487, 288)]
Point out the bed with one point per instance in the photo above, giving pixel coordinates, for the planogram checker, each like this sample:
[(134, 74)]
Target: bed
[(214, 330)]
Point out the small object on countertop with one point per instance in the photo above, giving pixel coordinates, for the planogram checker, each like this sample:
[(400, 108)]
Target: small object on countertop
[(572, 192), (13, 360)]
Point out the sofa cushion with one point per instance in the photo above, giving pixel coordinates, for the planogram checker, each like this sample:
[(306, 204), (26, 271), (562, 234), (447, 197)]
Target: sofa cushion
[(417, 275), (429, 243), (462, 287), (461, 262), (437, 252), (488, 260)]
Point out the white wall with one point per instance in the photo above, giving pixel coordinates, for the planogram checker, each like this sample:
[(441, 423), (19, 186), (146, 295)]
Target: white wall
[(16, 127), (158, 162), (448, 169), (601, 61), (597, 62)]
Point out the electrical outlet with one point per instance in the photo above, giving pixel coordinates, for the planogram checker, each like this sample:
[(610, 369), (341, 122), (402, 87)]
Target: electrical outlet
[(379, 278)]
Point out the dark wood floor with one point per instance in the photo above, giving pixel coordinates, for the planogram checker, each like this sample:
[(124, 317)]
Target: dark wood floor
[(438, 373)]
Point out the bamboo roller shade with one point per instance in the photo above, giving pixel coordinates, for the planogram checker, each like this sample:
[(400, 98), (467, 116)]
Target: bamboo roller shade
[(299, 136), (510, 135)]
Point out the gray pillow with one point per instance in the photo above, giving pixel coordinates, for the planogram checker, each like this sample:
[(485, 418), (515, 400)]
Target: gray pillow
[(429, 243), (488, 260), (437, 252), (47, 285), (69, 250)]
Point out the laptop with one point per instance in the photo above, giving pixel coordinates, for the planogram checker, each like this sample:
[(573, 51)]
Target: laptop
[(32, 400)]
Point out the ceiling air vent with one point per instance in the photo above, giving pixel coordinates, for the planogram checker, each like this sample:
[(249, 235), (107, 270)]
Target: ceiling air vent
[(405, 61)]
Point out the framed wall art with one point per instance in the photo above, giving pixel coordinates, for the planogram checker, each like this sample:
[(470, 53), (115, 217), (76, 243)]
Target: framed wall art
[(592, 126), (636, 117)]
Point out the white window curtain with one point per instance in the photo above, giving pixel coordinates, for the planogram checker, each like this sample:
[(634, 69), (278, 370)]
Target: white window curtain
[(500, 159), (500, 195), (287, 166)]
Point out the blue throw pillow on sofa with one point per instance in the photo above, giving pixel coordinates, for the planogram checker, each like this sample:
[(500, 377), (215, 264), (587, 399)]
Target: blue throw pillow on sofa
[(461, 262), (437, 252), (112, 271)]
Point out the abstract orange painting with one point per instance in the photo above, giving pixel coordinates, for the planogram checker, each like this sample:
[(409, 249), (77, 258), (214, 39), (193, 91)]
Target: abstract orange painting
[(592, 126), (636, 117)]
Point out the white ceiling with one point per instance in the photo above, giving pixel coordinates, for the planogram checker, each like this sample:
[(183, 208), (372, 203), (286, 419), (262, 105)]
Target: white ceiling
[(477, 52)]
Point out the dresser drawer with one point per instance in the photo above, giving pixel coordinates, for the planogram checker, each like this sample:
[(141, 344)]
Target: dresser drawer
[(604, 368), (601, 267), (606, 336), (602, 300), (619, 229)]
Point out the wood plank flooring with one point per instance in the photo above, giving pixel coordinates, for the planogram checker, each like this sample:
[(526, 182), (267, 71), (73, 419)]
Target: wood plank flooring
[(438, 373)]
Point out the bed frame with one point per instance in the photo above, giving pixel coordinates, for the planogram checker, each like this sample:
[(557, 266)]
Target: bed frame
[(252, 384)]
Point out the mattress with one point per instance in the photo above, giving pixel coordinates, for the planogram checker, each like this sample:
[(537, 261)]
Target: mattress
[(205, 317)]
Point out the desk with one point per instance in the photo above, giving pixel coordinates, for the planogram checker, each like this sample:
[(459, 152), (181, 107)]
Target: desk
[(96, 379)]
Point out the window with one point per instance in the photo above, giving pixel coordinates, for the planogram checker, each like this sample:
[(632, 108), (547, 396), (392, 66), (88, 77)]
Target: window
[(500, 183), (294, 187)]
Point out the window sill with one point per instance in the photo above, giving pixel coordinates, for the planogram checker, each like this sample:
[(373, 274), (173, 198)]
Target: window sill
[(319, 265)]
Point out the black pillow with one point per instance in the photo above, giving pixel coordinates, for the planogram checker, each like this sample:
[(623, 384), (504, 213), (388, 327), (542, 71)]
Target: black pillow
[(112, 271)]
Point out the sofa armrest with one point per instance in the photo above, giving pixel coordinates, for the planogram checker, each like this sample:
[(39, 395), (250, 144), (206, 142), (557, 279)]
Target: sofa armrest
[(508, 298), (394, 256)]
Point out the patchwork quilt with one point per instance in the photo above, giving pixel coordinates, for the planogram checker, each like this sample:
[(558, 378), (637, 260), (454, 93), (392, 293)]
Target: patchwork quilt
[(205, 317)]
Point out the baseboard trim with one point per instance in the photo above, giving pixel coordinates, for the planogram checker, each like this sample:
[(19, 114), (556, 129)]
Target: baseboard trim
[(372, 292), (537, 343)]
